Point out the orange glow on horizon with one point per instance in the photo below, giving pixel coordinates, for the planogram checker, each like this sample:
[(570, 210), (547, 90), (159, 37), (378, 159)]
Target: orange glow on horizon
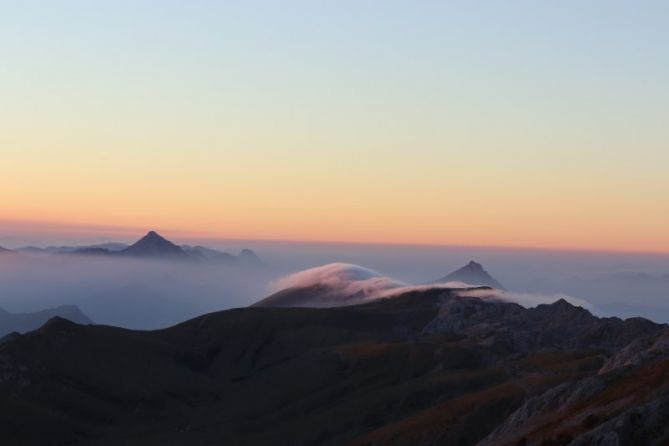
[(429, 237), (271, 123)]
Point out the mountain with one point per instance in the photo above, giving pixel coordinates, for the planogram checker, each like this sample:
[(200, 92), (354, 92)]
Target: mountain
[(110, 246), (314, 296), (23, 322), (202, 250), (340, 284), (246, 257), (425, 368), (5, 251), (249, 258), (89, 250), (473, 274), (155, 246), (323, 296)]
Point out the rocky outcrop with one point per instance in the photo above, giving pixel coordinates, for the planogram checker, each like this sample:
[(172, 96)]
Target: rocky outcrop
[(640, 351), (558, 325)]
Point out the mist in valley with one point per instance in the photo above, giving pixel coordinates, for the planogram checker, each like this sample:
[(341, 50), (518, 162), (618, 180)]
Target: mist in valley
[(150, 294), (141, 294)]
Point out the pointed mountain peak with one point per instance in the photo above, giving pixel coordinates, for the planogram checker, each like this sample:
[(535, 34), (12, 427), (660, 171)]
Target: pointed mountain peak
[(474, 266), (472, 273), (153, 235), (563, 304), (154, 245)]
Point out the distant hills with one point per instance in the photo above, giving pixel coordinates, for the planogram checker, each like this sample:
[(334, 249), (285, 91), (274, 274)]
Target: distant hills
[(156, 247), (111, 246), (473, 274), (23, 322)]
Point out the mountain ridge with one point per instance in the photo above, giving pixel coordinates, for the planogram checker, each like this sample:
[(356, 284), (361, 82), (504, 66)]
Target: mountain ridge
[(474, 274), (28, 321), (467, 371), (153, 246)]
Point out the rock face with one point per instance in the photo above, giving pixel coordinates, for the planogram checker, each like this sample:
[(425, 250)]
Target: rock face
[(425, 368), (23, 322), (647, 424), (560, 325), (474, 274)]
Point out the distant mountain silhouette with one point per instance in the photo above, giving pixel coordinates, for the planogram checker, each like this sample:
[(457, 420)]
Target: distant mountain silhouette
[(109, 246), (23, 322), (202, 250), (245, 258), (89, 250), (154, 245), (474, 274), (6, 251), (249, 258)]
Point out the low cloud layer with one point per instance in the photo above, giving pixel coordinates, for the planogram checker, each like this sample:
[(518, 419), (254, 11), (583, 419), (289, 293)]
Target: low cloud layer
[(126, 292), (344, 278), (527, 300)]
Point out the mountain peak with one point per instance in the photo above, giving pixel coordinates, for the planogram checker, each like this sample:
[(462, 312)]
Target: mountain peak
[(472, 273), (249, 258), (154, 245), (474, 265), (563, 305)]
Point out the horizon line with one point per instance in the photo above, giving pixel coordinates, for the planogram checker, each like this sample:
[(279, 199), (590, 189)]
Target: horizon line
[(34, 227)]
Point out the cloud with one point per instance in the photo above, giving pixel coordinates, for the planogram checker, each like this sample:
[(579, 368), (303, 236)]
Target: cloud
[(343, 278), (347, 279), (527, 300), (131, 293)]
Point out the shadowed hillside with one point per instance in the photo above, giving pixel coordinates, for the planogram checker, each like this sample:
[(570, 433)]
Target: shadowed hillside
[(425, 368), (22, 322)]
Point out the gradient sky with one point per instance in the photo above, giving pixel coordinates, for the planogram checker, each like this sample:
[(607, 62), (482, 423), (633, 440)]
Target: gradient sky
[(515, 123)]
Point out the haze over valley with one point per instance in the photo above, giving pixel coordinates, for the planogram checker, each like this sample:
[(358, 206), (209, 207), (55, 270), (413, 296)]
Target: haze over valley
[(161, 287)]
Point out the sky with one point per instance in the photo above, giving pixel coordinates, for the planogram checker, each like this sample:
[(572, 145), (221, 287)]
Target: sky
[(496, 123)]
